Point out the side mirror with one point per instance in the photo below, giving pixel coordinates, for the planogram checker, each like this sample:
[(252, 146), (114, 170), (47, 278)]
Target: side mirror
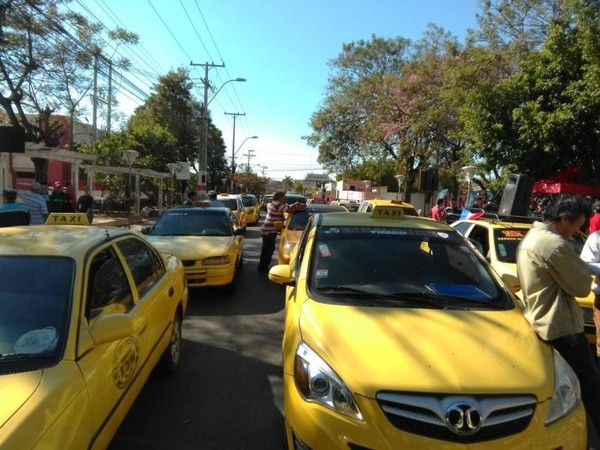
[(145, 229), (106, 328), (282, 274)]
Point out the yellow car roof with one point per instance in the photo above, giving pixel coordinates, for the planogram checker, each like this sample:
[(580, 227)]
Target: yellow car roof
[(58, 240), (496, 223), (376, 219), (389, 202)]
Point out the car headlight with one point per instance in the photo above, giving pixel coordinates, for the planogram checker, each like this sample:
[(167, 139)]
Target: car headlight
[(567, 393), (318, 382), (216, 261)]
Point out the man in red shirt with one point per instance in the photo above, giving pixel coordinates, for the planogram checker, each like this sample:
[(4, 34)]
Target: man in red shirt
[(595, 219), (437, 212)]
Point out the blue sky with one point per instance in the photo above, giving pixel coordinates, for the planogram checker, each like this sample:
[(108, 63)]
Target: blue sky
[(281, 47)]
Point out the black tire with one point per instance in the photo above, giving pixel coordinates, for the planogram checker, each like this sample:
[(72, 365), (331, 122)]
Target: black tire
[(169, 361)]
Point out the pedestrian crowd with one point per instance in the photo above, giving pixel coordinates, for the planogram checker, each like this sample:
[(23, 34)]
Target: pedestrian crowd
[(39, 203)]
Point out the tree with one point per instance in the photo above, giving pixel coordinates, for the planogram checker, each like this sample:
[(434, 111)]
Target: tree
[(545, 116)]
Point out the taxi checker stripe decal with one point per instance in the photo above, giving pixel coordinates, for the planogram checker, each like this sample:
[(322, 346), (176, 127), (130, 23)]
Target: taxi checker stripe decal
[(126, 390)]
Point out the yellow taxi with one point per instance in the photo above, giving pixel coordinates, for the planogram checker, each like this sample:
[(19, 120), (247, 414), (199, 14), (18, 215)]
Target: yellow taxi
[(86, 314), (382, 345), (252, 208), (498, 238), (236, 205), (205, 239), (294, 225), (367, 206)]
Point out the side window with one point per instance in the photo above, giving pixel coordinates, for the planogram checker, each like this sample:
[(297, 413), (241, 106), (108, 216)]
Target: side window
[(108, 288), (462, 228), (143, 262), (369, 208), (480, 234)]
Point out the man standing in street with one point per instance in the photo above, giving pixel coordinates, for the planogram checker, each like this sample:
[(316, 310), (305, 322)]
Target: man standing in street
[(437, 212), (36, 203), (552, 274), (275, 213), (212, 199)]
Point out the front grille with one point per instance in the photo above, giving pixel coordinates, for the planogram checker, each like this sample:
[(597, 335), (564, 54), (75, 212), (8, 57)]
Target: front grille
[(426, 415)]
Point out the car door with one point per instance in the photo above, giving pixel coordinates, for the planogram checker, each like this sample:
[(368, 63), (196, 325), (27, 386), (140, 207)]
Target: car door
[(108, 365)]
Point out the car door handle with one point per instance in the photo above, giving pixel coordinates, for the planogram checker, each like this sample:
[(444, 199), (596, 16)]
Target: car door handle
[(171, 291)]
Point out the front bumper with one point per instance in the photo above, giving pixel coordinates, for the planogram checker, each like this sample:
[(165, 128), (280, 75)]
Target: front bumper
[(311, 425)]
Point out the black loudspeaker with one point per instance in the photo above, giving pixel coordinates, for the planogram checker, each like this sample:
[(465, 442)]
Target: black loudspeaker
[(516, 196), (12, 139), (429, 180)]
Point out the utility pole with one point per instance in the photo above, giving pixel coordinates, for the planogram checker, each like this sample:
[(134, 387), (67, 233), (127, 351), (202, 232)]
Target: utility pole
[(250, 154), (235, 115), (94, 101), (203, 158), (109, 101), (263, 170)]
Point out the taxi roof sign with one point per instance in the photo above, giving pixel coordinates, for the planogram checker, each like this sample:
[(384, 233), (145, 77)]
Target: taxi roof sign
[(388, 212), (67, 219)]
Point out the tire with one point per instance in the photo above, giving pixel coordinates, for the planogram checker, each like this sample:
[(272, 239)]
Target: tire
[(169, 361)]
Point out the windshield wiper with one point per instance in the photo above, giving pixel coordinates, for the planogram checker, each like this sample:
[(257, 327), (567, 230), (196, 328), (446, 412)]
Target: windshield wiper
[(443, 300), (342, 290), (18, 356)]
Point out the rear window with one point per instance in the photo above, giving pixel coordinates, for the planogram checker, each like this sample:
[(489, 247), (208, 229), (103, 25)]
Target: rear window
[(230, 203), (506, 241), (249, 201)]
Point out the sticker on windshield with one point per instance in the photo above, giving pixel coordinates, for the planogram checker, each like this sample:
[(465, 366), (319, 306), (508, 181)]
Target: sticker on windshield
[(37, 341), (502, 250), (443, 235), (322, 273), (324, 250)]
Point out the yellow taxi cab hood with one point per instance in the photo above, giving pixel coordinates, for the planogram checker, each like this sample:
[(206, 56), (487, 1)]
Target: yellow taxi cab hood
[(15, 390), (422, 350), (192, 247)]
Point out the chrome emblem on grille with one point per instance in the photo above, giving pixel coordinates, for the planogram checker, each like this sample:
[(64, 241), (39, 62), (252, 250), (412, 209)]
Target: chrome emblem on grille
[(463, 418)]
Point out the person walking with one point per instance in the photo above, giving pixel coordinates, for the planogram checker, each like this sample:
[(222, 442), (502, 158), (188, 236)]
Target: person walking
[(552, 274), (192, 199), (36, 203), (275, 213)]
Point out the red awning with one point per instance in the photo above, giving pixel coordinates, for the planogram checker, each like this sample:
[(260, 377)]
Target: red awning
[(544, 187), (564, 182)]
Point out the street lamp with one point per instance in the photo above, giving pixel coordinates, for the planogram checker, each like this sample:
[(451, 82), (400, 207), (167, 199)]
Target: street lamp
[(203, 158), (469, 172), (130, 156), (172, 168), (400, 179), (233, 153)]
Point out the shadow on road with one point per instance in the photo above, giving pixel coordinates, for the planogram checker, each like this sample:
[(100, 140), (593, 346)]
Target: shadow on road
[(200, 406)]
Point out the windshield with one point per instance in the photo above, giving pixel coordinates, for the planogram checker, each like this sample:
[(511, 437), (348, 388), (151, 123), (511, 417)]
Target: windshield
[(35, 302), (193, 222), (506, 241), (401, 267)]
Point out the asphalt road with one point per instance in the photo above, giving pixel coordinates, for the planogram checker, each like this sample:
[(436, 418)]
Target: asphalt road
[(227, 391)]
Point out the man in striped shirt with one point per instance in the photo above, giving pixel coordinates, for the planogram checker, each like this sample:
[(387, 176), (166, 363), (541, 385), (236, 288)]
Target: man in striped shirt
[(275, 213), (36, 203)]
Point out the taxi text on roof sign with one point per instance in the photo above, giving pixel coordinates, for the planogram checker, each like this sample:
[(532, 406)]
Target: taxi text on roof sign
[(388, 212), (67, 219)]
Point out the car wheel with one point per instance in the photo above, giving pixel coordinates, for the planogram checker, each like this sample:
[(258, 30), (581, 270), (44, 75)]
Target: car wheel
[(169, 361)]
